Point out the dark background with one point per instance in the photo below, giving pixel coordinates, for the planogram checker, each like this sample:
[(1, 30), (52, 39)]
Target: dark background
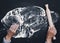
[(7, 5)]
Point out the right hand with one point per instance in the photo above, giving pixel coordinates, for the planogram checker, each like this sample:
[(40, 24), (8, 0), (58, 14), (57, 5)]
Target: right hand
[(51, 32)]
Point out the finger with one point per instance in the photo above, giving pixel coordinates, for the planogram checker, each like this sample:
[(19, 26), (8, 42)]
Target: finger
[(14, 27), (52, 31)]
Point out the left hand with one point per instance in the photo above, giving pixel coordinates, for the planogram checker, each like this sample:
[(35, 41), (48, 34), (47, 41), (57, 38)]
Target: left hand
[(12, 30)]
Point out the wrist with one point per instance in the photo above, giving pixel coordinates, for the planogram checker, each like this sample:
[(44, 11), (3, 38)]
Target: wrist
[(49, 40), (8, 38)]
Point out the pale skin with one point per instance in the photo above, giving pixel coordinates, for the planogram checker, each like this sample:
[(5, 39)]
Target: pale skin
[(50, 34)]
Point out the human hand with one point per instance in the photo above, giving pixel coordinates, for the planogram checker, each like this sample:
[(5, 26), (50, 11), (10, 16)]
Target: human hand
[(51, 33), (52, 30), (11, 31)]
